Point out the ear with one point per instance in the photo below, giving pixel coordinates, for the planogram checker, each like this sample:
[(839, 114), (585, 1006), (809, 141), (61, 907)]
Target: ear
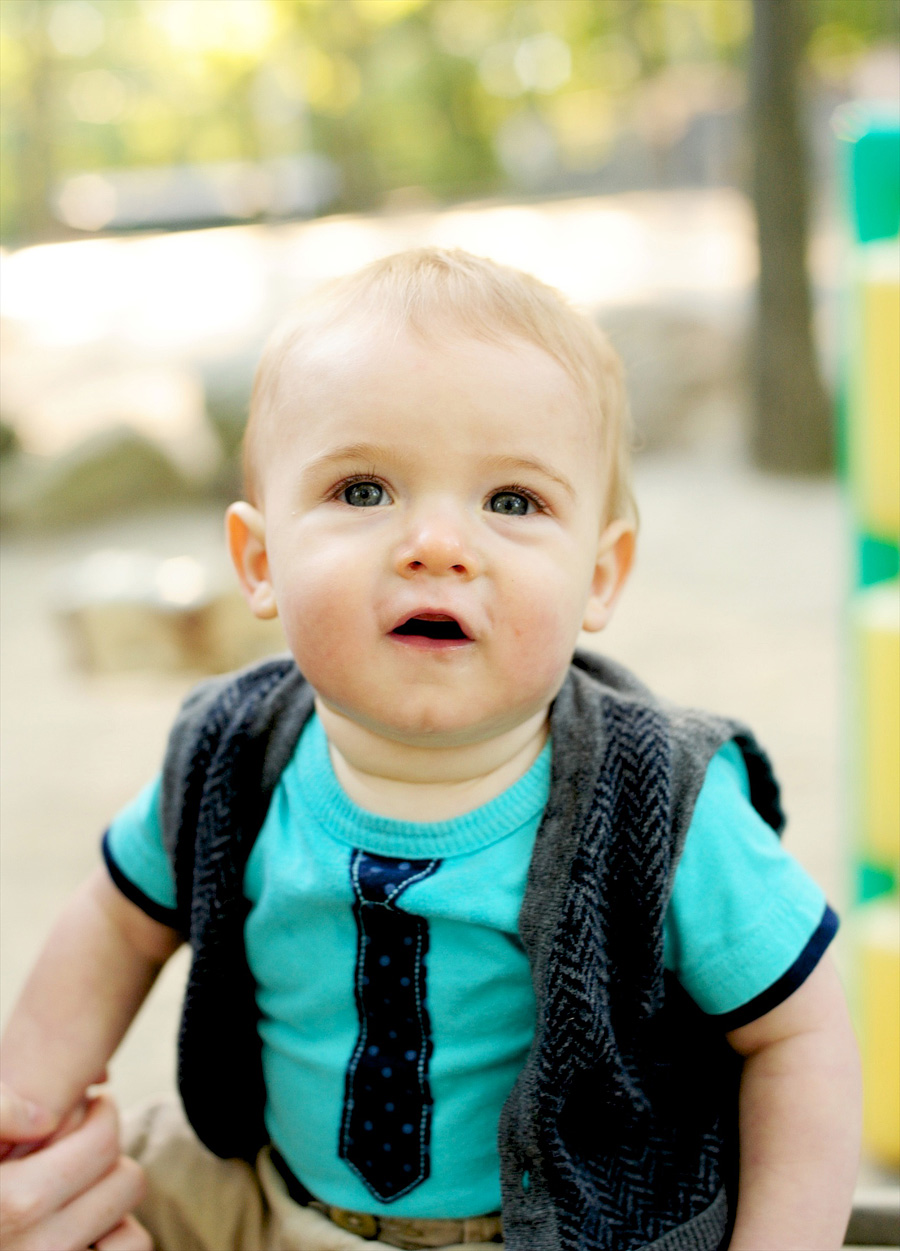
[(615, 555), (246, 534)]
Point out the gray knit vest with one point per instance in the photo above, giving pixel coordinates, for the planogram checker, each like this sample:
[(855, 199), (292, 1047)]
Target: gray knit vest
[(620, 1132)]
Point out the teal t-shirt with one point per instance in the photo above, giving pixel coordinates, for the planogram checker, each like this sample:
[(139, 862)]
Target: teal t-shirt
[(742, 912)]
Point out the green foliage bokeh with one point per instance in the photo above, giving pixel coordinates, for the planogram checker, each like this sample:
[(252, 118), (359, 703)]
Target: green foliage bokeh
[(399, 94)]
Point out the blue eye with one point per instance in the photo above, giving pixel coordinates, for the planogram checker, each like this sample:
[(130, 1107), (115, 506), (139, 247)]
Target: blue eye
[(363, 494), (510, 504)]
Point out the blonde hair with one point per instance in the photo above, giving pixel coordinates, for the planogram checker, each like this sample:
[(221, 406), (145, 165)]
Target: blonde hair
[(435, 292)]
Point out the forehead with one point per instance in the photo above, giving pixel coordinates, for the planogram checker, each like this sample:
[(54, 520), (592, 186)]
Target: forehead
[(356, 383)]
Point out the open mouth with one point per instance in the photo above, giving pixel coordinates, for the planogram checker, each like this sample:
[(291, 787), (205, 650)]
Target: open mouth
[(438, 628)]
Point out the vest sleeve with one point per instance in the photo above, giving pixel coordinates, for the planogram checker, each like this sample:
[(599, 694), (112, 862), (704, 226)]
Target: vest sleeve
[(135, 856), (745, 924)]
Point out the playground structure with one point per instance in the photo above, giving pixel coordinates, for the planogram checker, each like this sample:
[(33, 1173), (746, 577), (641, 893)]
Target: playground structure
[(870, 456)]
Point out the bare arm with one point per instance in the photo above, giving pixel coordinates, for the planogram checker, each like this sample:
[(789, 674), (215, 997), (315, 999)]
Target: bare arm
[(92, 976), (799, 1121)]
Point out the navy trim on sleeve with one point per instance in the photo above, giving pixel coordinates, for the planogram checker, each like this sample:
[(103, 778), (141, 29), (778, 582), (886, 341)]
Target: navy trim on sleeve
[(156, 912), (788, 982)]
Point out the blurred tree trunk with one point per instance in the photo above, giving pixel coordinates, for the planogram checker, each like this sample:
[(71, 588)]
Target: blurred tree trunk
[(791, 423)]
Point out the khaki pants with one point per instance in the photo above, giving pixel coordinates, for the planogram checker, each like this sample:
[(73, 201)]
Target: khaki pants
[(197, 1202)]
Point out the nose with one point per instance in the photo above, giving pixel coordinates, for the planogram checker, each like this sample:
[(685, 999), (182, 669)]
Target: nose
[(437, 542)]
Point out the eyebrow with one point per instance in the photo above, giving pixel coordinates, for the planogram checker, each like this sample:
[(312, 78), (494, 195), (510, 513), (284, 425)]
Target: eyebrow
[(533, 465), (351, 451), (374, 452)]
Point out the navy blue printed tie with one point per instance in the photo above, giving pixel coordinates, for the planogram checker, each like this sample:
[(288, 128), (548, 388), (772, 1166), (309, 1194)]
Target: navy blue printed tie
[(386, 1124)]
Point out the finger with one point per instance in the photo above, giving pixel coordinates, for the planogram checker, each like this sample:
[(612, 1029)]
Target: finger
[(127, 1236), (20, 1119), (50, 1177), (71, 1122), (92, 1215)]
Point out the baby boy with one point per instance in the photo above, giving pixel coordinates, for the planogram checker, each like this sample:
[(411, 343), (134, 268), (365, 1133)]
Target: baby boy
[(488, 942)]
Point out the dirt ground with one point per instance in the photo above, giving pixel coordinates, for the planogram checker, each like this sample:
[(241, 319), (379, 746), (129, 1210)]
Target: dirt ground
[(735, 604)]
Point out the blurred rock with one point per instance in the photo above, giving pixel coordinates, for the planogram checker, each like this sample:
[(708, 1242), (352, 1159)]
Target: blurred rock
[(227, 386), (9, 440), (125, 611), (683, 371), (116, 470), (55, 410)]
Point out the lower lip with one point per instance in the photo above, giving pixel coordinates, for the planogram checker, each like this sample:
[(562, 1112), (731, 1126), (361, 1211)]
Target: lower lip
[(422, 643)]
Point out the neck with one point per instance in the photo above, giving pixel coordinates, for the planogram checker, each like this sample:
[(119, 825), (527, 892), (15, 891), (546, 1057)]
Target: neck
[(411, 783)]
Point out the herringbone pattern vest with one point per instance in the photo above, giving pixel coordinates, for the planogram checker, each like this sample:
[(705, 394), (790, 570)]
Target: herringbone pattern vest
[(620, 1132)]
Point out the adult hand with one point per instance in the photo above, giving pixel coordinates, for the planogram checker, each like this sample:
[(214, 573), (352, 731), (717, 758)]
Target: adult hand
[(75, 1191)]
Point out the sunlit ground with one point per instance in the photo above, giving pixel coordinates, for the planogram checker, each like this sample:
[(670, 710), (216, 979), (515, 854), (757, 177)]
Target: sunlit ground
[(111, 329), (185, 298), (180, 292)]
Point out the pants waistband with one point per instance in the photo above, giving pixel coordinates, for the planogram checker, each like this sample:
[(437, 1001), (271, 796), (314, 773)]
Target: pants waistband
[(397, 1231)]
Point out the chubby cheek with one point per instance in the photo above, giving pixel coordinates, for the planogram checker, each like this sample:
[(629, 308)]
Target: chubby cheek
[(542, 637), (318, 625)]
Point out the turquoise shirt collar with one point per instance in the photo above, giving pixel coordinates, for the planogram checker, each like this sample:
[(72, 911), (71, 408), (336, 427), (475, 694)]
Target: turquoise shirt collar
[(312, 778)]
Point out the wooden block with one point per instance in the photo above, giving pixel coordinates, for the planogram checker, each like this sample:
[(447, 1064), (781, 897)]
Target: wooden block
[(879, 1018), (874, 400), (876, 627), (124, 611)]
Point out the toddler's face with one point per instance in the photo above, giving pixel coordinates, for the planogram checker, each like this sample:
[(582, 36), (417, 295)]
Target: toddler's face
[(429, 530)]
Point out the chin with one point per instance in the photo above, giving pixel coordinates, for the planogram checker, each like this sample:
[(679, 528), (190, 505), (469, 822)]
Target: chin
[(440, 728), (425, 731)]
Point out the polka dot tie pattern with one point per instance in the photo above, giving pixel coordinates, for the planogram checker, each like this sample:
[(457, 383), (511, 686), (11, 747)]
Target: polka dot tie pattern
[(386, 1122)]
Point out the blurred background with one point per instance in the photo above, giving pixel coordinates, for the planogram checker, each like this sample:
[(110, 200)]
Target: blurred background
[(716, 181)]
